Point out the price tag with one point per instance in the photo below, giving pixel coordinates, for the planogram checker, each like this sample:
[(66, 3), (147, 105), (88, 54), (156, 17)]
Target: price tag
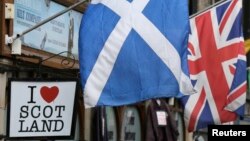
[(161, 118)]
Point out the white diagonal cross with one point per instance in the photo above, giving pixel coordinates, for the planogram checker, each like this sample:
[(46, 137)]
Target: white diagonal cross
[(131, 18)]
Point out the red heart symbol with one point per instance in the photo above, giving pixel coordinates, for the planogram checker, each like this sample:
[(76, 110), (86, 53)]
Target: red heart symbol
[(49, 94)]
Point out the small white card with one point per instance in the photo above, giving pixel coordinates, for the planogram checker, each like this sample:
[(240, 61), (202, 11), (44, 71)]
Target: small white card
[(161, 118)]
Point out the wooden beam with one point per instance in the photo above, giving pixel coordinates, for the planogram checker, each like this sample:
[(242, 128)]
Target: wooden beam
[(81, 115), (3, 83), (8, 29), (9, 22), (2, 26)]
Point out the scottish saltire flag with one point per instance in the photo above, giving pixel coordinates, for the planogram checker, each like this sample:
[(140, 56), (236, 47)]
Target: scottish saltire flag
[(133, 50), (217, 65)]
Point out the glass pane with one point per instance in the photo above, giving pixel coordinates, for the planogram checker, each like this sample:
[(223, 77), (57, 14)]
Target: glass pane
[(180, 126), (131, 126), (111, 124)]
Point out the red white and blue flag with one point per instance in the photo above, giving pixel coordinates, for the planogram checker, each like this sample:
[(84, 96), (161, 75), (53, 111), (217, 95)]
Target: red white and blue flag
[(217, 65)]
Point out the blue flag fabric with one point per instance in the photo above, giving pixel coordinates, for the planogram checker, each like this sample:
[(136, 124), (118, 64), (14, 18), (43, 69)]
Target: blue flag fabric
[(133, 50)]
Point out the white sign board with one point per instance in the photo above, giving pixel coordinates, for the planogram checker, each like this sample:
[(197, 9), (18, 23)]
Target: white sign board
[(41, 108)]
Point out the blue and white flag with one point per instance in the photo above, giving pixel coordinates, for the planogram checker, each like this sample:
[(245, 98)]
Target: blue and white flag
[(133, 50)]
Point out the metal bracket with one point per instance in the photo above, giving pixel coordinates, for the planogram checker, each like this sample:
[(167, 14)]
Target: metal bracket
[(16, 47), (16, 44), (8, 40)]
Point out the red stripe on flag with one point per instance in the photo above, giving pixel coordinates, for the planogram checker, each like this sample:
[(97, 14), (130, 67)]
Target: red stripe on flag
[(237, 93), (232, 69), (242, 49), (196, 110), (191, 48), (228, 13)]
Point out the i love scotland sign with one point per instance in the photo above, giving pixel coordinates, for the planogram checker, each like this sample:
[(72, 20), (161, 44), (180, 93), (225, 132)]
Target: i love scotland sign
[(41, 108)]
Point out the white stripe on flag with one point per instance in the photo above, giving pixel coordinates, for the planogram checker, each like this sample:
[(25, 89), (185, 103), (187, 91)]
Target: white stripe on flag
[(229, 24), (193, 99), (107, 57), (132, 17), (237, 103), (104, 64)]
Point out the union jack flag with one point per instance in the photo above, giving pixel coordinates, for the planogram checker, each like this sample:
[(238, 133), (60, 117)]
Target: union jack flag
[(217, 65)]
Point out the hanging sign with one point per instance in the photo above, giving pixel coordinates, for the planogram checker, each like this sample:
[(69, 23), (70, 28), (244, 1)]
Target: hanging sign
[(41, 108), (57, 35)]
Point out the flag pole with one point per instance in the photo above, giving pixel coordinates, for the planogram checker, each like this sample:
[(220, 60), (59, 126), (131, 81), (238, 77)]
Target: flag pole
[(48, 19), (207, 8)]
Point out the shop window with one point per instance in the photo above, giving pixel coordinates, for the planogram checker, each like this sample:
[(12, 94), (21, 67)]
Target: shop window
[(199, 137), (111, 124), (180, 126), (198, 5), (247, 109), (246, 18), (131, 125)]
